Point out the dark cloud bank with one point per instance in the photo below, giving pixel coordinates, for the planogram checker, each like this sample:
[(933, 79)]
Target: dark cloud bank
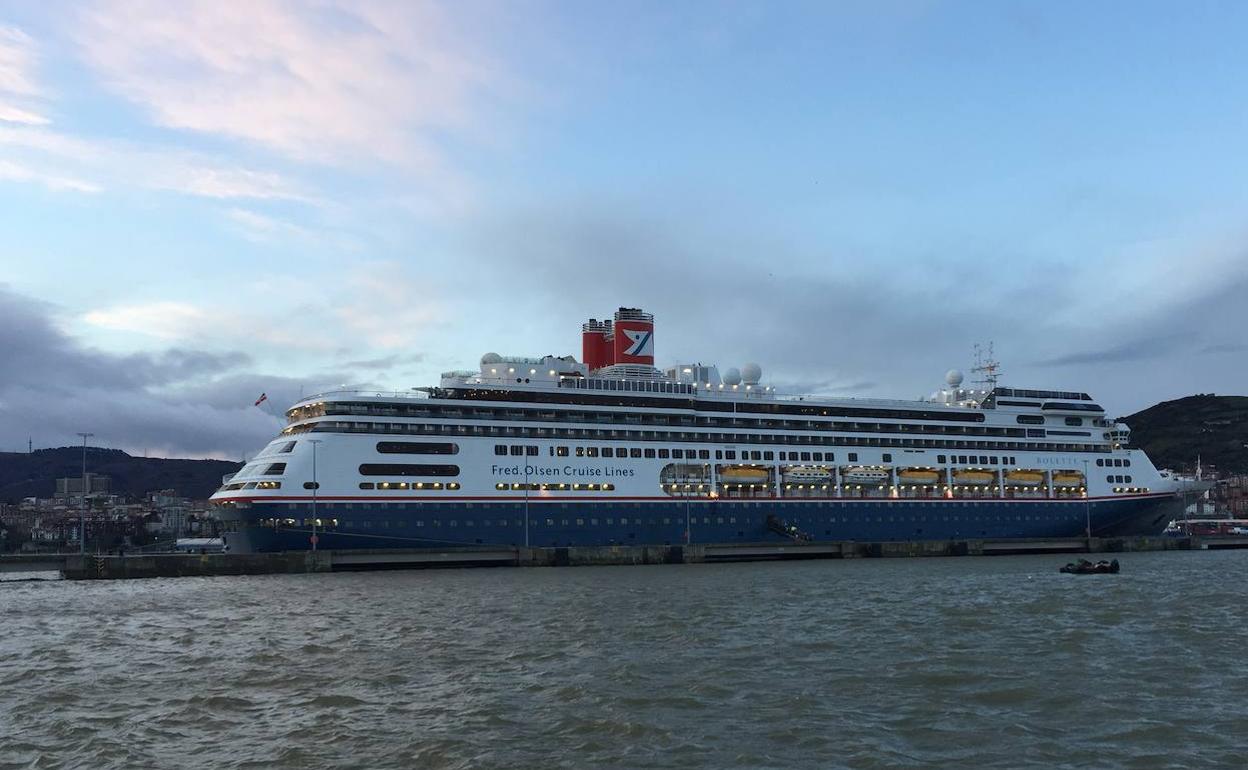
[(179, 402)]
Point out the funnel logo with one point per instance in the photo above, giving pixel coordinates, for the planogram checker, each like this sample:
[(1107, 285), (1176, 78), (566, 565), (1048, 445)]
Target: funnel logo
[(642, 342)]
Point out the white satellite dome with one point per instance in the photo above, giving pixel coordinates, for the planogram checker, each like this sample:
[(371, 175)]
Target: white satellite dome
[(751, 373), (953, 378), (732, 376), (490, 358)]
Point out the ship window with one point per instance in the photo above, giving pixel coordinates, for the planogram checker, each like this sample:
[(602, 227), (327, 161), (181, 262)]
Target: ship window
[(940, 458), (500, 449), (289, 446), (983, 459), (992, 460), (561, 451), (417, 448), (1126, 463), (649, 453), (769, 455), (275, 469), (664, 454), (591, 451), (730, 454), (366, 485), (1029, 419), (1074, 421), (634, 452), (516, 450), (1128, 481), (531, 450), (704, 454), (621, 451), (405, 469), (311, 485), (888, 458), (580, 451), (853, 457), (608, 452), (719, 454), (678, 454)]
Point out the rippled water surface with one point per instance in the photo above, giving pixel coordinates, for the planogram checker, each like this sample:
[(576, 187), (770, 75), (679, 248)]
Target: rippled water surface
[(956, 662)]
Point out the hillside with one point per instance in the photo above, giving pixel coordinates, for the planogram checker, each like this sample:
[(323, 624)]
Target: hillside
[(35, 474), (1213, 427)]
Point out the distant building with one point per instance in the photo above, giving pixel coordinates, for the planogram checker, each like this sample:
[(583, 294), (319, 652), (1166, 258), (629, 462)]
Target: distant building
[(71, 486)]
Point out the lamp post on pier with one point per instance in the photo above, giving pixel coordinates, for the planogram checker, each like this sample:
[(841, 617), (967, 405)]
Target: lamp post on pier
[(1087, 504), (314, 442), (82, 512)]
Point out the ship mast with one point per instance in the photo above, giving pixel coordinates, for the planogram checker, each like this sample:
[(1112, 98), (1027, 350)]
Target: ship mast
[(987, 367)]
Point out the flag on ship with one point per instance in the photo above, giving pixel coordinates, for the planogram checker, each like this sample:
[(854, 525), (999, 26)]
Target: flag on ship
[(263, 397)]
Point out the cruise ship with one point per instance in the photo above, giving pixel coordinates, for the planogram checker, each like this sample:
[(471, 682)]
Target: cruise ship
[(609, 450)]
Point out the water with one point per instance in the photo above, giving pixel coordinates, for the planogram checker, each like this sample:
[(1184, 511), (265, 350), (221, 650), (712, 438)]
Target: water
[(992, 662)]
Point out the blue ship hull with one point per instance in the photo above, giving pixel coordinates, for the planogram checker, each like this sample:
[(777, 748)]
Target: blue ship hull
[(284, 526)]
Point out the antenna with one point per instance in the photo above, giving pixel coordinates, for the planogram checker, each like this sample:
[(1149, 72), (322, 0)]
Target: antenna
[(987, 366)]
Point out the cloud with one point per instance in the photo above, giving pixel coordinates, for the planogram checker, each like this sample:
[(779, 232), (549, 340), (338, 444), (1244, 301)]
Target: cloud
[(261, 228), (165, 320), (1134, 350), (814, 387), (48, 154), (331, 82), (176, 402), (819, 318), (379, 305), (15, 172), (51, 387), (19, 91), (1224, 347), (386, 362), (12, 114)]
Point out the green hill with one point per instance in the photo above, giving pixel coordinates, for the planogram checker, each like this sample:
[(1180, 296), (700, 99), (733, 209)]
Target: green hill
[(1175, 432)]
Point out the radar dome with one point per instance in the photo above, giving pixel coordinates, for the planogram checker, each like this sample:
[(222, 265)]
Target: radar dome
[(732, 376), (490, 358), (751, 374), (953, 378)]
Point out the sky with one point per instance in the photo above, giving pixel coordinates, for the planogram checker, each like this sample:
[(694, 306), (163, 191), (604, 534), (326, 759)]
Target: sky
[(208, 200)]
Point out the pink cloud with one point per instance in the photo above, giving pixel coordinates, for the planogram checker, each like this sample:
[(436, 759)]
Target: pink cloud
[(330, 82), (18, 88)]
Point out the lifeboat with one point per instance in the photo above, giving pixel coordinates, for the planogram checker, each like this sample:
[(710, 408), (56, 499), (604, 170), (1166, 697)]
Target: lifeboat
[(1025, 477), (743, 473), (865, 475), (919, 476), (974, 477), (1067, 479), (807, 474)]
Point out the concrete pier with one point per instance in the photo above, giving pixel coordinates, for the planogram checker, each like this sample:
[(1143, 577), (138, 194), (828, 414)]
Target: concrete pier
[(105, 567)]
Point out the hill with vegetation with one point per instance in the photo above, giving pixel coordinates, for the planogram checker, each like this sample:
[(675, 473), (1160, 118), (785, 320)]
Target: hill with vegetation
[(34, 474), (1174, 433)]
